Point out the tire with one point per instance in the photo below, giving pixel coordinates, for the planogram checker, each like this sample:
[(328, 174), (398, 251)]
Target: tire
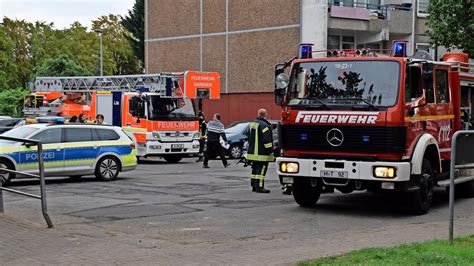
[(466, 190), (421, 200), (107, 168), (305, 194), (5, 178), (173, 158), (235, 151)]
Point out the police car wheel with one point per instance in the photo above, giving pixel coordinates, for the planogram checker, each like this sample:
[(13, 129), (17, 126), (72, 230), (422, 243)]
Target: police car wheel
[(107, 169), (5, 177), (235, 151)]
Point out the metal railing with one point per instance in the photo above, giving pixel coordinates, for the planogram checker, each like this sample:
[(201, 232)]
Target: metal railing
[(462, 66), (382, 11), (461, 158), (41, 197)]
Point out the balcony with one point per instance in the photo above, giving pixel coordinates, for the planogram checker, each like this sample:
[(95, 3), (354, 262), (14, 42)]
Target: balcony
[(358, 16)]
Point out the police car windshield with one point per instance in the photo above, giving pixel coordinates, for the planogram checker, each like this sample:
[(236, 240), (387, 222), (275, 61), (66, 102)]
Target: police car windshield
[(19, 132), (237, 128), (171, 109), (344, 83)]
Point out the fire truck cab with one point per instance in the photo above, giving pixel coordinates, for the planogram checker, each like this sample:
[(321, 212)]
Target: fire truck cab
[(358, 120)]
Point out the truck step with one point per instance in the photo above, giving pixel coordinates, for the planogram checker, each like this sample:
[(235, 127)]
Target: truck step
[(459, 180)]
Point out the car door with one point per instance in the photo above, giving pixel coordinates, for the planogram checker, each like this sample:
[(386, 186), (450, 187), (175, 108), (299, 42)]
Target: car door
[(53, 153), (80, 150)]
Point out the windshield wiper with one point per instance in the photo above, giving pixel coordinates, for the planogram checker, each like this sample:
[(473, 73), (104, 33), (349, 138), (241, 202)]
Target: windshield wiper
[(322, 103), (369, 104)]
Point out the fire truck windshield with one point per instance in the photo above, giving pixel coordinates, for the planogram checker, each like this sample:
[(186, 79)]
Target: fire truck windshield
[(171, 109), (371, 83)]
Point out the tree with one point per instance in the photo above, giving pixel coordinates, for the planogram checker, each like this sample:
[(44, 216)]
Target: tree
[(61, 66), (118, 53), (451, 24), (6, 52), (11, 101), (134, 22)]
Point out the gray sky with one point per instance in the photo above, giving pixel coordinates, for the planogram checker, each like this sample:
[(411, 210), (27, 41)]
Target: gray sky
[(63, 12)]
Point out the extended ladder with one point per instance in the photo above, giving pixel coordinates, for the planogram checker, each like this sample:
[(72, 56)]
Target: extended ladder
[(163, 83)]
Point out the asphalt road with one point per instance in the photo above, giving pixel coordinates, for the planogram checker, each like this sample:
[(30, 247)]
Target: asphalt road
[(184, 214)]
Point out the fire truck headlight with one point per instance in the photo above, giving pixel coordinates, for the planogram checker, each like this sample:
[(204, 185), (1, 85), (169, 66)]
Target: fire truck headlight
[(385, 171), (196, 135), (289, 167), (156, 135)]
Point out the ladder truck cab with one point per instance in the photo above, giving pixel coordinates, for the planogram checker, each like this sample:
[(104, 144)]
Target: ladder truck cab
[(159, 110), (363, 120)]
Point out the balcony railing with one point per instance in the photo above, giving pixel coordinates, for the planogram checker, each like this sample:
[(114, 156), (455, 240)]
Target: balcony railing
[(375, 10)]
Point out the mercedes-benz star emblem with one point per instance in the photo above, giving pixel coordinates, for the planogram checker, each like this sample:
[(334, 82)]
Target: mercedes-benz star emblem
[(335, 137)]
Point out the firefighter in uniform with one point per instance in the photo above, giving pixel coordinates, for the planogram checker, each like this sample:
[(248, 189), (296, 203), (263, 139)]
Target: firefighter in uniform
[(202, 136), (260, 151)]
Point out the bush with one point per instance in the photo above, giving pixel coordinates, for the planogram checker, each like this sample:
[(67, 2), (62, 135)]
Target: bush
[(11, 101)]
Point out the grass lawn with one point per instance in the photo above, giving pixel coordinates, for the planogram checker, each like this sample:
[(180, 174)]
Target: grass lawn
[(427, 253)]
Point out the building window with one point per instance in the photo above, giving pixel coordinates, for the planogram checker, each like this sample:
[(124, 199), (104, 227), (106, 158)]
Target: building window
[(340, 42), (333, 42), (422, 9), (425, 47)]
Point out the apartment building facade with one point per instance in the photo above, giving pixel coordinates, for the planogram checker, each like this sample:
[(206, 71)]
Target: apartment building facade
[(244, 39)]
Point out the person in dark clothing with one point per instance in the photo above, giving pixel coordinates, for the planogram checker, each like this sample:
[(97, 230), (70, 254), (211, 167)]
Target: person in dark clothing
[(260, 150), (202, 136), (215, 130), (73, 119)]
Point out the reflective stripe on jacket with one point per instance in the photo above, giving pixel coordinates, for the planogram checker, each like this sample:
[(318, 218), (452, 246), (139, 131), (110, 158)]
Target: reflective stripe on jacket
[(260, 141)]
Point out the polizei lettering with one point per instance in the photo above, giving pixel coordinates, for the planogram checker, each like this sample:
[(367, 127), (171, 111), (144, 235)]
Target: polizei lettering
[(317, 117)]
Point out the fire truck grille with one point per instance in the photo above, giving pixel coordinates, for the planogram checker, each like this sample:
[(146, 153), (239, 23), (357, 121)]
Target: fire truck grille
[(354, 139)]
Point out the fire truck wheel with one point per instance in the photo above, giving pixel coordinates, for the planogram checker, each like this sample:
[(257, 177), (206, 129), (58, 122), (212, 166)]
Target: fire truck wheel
[(420, 201), (306, 193), (173, 158), (107, 168), (5, 177)]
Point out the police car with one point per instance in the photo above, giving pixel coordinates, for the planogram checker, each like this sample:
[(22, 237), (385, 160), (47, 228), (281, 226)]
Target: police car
[(69, 150)]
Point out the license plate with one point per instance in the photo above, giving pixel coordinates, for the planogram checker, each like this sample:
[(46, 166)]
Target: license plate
[(334, 174), (177, 146)]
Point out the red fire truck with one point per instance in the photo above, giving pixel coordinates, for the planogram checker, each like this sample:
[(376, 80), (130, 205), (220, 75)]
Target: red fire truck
[(361, 120)]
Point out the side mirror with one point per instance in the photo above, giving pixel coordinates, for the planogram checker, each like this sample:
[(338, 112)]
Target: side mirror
[(282, 81), (28, 145)]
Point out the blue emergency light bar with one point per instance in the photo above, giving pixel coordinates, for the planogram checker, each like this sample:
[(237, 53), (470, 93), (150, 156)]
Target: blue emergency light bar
[(50, 119), (399, 49), (305, 51)]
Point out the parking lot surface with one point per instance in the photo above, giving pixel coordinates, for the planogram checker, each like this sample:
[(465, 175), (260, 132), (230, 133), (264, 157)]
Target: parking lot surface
[(180, 213)]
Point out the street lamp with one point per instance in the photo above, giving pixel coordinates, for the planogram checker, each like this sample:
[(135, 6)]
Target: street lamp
[(101, 58)]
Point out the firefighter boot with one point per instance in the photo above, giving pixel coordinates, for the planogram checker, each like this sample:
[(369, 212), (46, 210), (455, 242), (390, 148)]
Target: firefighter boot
[(261, 189), (253, 183), (200, 158)]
